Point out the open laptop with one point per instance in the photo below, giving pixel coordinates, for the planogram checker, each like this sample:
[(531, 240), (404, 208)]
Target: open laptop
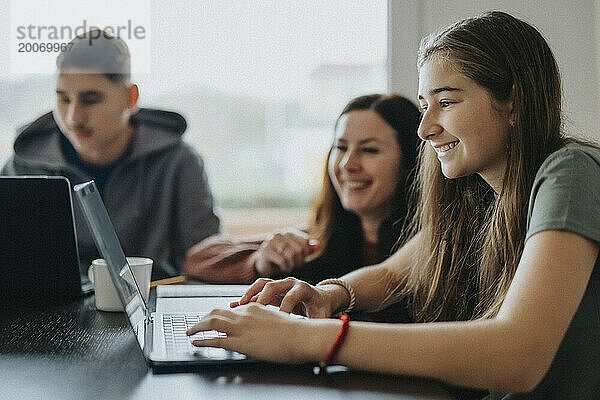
[(160, 336), (38, 244)]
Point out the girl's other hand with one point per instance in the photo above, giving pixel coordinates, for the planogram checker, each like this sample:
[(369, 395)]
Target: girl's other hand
[(290, 295)]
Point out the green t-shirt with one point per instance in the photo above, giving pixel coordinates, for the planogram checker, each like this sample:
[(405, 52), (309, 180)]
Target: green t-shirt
[(566, 196)]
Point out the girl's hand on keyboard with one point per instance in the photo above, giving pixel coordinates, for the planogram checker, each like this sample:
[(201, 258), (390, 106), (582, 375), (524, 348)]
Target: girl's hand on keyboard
[(265, 333), (290, 295)]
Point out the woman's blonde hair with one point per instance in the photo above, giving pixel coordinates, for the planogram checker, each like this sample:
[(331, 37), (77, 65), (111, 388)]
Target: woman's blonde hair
[(473, 238)]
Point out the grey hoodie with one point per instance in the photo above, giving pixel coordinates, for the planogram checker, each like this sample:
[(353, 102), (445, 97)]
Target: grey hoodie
[(157, 196)]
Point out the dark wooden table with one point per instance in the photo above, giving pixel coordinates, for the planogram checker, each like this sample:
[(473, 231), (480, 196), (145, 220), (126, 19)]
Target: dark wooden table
[(68, 350)]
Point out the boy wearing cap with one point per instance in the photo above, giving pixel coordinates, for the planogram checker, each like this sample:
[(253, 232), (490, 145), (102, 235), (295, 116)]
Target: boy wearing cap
[(153, 184)]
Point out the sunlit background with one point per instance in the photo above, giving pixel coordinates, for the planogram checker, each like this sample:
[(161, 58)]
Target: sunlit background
[(262, 81), (259, 82)]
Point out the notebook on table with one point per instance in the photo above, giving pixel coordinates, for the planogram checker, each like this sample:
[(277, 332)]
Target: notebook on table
[(38, 243), (160, 336)]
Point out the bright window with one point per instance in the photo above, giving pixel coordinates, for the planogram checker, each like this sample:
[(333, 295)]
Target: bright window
[(259, 82)]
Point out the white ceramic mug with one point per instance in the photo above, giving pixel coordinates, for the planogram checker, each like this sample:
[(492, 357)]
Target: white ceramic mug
[(107, 298)]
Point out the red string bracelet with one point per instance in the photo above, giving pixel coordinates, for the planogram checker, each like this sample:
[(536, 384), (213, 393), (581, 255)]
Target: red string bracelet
[(338, 342)]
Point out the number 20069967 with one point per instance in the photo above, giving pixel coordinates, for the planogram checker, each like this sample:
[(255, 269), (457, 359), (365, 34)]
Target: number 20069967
[(26, 47)]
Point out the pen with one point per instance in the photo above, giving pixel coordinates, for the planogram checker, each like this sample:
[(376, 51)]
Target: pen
[(167, 281)]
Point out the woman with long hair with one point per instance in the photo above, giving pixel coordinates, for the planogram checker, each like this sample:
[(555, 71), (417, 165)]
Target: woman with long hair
[(501, 271), (356, 218)]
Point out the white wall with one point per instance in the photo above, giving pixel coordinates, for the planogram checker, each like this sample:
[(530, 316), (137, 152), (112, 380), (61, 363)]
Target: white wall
[(572, 28)]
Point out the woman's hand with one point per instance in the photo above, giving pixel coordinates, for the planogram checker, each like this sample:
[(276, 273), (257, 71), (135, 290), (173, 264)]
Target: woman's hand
[(293, 295), (283, 251), (260, 333)]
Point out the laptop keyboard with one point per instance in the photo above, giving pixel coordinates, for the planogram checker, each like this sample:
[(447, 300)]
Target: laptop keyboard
[(176, 341)]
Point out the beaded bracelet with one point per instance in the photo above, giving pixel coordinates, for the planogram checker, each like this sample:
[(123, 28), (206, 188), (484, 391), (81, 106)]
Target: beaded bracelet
[(345, 285), (336, 345)]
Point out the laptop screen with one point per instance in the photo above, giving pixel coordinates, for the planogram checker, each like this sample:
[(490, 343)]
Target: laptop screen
[(38, 244), (108, 245)]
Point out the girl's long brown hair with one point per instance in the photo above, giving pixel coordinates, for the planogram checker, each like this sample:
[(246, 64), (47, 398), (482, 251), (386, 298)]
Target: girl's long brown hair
[(472, 238)]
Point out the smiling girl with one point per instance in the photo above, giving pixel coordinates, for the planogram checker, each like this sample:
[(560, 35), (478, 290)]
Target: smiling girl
[(502, 270)]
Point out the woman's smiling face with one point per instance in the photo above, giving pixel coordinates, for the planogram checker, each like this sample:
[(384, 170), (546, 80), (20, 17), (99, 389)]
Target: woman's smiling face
[(365, 163), (464, 125)]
